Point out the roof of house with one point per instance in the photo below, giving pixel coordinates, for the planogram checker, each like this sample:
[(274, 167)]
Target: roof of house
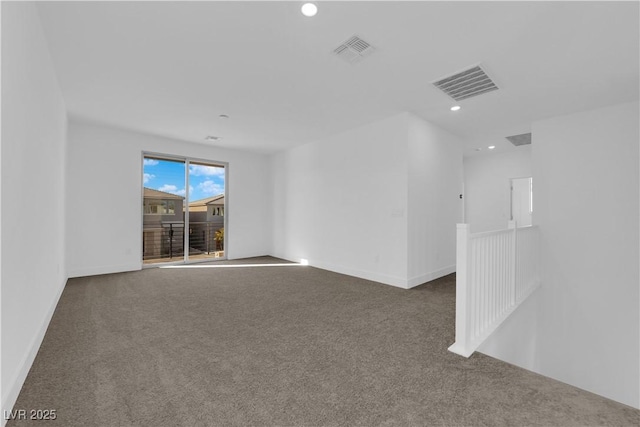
[(150, 193), (201, 205), (216, 201)]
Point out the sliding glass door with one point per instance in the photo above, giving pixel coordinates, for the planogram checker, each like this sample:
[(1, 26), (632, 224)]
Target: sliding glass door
[(183, 210)]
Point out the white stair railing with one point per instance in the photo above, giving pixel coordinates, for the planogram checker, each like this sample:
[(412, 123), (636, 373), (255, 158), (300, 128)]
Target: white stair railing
[(495, 272)]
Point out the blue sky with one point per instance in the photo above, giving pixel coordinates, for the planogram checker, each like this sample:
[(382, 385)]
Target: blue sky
[(168, 176)]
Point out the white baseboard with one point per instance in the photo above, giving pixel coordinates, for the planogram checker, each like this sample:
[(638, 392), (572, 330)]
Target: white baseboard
[(233, 256), (104, 269), (15, 384), (398, 282), (283, 256), (433, 275)]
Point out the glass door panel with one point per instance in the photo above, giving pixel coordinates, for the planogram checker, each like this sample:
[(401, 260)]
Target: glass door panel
[(163, 210), (206, 211)]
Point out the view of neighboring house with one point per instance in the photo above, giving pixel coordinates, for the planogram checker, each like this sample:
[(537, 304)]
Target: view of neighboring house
[(206, 224), (163, 224), (160, 206), (208, 209)]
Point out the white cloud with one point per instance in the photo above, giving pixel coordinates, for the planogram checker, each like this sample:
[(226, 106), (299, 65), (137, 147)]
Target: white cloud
[(211, 188), (150, 162), (201, 170), (183, 192), (147, 177), (168, 188)]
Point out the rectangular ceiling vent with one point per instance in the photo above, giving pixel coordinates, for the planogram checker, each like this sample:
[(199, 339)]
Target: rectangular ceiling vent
[(522, 139), (354, 50), (468, 83)]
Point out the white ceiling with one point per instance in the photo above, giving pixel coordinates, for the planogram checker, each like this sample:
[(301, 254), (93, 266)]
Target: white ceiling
[(171, 68)]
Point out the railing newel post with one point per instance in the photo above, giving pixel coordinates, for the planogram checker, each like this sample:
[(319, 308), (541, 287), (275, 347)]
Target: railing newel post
[(462, 266)]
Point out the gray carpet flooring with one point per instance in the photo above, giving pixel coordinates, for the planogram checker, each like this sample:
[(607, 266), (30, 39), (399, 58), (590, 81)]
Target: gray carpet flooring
[(280, 346)]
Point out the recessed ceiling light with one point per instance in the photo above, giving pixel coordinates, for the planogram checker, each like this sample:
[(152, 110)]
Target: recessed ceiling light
[(478, 149), (491, 147), (309, 9), (223, 116), (213, 138), (455, 108)]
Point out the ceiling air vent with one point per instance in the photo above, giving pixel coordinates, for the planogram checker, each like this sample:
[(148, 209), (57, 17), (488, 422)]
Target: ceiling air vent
[(468, 83), (354, 50), (522, 139)]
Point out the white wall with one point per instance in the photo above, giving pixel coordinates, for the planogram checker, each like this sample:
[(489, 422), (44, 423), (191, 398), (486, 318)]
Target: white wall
[(587, 177), (587, 330), (435, 185), (487, 187), (33, 192), (378, 202), (341, 202), (104, 167)]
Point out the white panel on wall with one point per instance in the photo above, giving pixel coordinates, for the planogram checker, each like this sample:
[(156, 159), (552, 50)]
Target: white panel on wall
[(380, 201), (435, 207), (341, 202)]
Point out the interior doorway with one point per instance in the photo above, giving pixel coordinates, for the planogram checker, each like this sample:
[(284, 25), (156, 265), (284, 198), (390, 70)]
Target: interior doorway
[(522, 201), (183, 210)]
